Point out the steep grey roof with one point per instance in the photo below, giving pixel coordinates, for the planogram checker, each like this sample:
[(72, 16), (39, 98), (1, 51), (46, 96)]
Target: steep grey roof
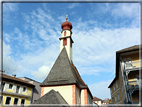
[(52, 97), (63, 72)]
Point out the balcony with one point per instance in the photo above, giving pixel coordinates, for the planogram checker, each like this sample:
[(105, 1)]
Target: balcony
[(134, 85), (132, 66)]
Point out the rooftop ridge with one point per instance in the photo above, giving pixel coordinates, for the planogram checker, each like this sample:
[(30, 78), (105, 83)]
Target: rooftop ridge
[(76, 71), (4, 76)]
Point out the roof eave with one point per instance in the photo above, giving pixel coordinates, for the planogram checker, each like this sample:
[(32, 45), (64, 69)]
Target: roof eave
[(7, 79)]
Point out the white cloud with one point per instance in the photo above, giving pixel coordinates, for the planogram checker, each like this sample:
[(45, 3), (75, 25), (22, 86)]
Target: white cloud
[(43, 34), (97, 46), (100, 89), (41, 14), (7, 7), (6, 36), (8, 62), (61, 18), (6, 50), (73, 5), (40, 57), (41, 73), (126, 9), (101, 43)]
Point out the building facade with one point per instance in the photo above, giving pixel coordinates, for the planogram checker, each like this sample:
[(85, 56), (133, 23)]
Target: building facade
[(15, 91), (125, 86), (64, 77), (36, 90), (97, 101)]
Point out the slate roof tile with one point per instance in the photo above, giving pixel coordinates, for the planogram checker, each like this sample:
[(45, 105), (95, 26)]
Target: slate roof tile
[(52, 97), (63, 72)]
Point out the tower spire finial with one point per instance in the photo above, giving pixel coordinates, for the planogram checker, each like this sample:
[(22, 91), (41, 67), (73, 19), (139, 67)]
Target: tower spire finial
[(66, 17)]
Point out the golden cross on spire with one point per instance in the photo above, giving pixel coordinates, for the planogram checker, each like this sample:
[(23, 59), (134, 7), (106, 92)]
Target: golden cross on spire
[(66, 17)]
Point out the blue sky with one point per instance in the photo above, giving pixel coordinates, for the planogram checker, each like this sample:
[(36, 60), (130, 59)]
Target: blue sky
[(31, 33)]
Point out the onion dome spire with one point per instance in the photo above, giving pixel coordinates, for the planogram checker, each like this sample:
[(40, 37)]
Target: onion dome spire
[(66, 25)]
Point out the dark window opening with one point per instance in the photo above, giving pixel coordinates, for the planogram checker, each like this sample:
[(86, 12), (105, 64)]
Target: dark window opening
[(112, 99), (23, 101), (17, 89), (65, 33), (8, 99), (10, 86), (16, 101), (24, 89)]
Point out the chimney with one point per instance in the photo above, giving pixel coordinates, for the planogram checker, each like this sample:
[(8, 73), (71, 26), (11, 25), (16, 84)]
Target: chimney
[(14, 75)]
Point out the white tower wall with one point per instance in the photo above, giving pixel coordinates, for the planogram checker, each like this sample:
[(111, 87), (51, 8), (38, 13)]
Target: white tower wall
[(68, 46)]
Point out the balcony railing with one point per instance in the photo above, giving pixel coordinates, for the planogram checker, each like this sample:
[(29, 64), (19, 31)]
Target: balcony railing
[(132, 65), (17, 94), (134, 84)]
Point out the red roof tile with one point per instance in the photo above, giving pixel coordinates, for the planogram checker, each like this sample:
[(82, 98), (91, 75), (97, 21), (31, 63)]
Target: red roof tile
[(96, 99), (10, 78)]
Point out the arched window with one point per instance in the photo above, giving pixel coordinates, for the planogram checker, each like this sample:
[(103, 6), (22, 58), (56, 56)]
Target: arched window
[(64, 42), (64, 33)]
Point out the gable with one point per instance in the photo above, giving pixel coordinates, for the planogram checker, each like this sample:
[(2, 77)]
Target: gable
[(52, 97), (61, 72)]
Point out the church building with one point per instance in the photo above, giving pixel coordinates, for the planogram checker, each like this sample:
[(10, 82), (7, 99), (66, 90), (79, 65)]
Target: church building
[(63, 84)]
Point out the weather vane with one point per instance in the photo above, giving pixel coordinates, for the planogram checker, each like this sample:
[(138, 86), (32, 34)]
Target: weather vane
[(66, 17)]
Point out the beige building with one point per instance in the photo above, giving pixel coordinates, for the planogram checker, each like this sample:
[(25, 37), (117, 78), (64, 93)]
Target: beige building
[(125, 86), (36, 90)]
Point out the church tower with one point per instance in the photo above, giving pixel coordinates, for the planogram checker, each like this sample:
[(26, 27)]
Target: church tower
[(63, 84), (66, 38)]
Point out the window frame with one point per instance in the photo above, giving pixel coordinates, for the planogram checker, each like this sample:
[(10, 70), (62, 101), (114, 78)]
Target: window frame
[(65, 33), (116, 84), (9, 86), (25, 89), (6, 99), (18, 89), (118, 96), (115, 98), (114, 87), (24, 101), (110, 91), (2, 85), (17, 101)]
